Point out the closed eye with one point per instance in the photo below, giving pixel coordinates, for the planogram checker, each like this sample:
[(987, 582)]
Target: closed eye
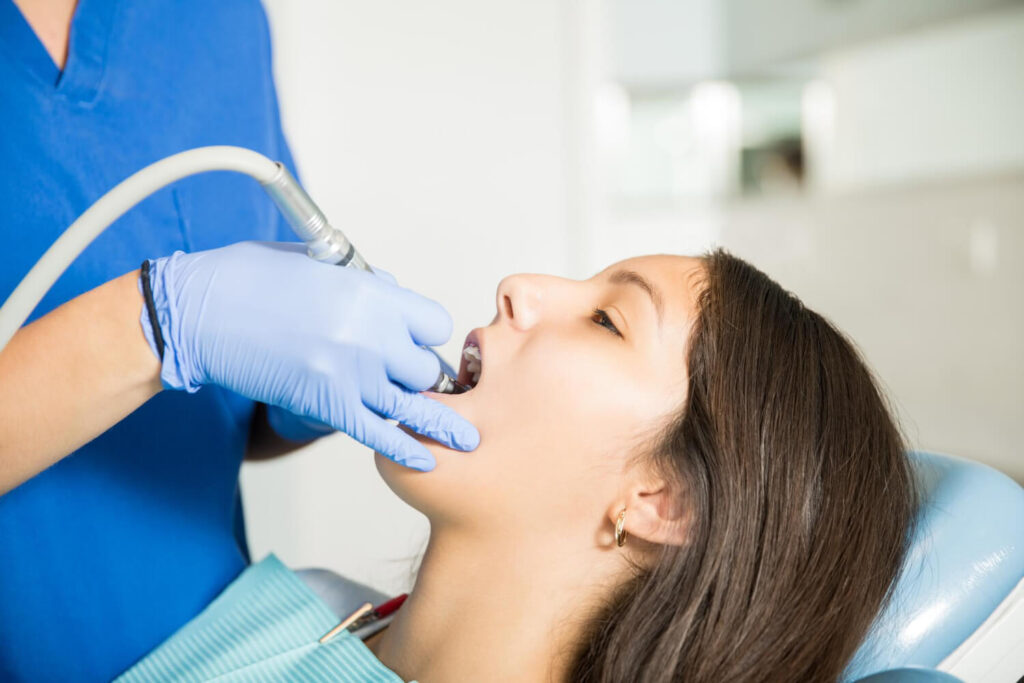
[(602, 319)]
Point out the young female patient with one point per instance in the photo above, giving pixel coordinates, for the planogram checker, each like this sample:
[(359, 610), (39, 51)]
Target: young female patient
[(758, 481), (684, 475)]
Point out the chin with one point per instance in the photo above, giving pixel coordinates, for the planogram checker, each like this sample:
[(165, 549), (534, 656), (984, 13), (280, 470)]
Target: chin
[(461, 481), (428, 492), (454, 482), (399, 479)]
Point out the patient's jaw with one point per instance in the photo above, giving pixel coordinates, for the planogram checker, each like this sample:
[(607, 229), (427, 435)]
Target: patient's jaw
[(564, 402)]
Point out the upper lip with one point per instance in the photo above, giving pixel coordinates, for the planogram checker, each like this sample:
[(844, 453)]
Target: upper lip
[(473, 338)]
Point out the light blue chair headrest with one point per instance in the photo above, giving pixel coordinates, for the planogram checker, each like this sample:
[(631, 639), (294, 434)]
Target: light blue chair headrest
[(966, 556)]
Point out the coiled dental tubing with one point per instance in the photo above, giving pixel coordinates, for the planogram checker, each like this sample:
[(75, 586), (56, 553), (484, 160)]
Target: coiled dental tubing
[(324, 242)]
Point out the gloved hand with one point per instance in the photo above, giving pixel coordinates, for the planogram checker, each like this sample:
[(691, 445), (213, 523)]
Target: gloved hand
[(327, 343), (288, 425), (301, 429)]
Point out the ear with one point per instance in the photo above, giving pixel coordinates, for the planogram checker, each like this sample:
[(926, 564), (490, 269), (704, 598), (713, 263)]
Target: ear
[(655, 512)]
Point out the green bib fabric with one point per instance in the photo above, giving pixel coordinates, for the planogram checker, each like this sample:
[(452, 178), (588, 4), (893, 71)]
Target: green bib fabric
[(265, 626)]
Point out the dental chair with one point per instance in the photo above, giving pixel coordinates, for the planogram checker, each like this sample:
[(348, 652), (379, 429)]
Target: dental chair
[(957, 613)]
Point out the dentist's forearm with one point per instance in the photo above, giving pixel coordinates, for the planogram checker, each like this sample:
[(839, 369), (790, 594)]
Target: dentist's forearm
[(71, 375)]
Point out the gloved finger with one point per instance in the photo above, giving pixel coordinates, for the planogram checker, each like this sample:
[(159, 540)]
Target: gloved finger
[(384, 275), (413, 367), (428, 322), (391, 442), (427, 417)]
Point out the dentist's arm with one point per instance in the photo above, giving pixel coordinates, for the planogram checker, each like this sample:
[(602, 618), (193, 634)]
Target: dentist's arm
[(74, 373), (71, 375), (321, 344)]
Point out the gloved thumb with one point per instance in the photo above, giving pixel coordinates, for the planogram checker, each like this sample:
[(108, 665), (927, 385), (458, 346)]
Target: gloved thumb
[(427, 417)]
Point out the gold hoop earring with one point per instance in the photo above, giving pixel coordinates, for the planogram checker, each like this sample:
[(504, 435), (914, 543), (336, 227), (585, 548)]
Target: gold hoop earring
[(620, 529)]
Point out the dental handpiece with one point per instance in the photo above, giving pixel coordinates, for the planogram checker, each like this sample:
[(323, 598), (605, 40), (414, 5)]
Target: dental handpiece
[(328, 244)]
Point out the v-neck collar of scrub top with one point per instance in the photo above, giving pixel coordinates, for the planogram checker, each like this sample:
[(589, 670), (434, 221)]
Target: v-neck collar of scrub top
[(88, 41)]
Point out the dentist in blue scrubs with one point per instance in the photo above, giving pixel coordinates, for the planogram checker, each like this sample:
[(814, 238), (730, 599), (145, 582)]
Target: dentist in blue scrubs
[(122, 425)]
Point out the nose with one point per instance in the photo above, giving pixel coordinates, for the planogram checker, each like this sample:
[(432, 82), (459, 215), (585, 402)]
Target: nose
[(520, 300)]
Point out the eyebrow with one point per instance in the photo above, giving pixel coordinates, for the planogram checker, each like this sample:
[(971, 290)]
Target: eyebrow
[(631, 277)]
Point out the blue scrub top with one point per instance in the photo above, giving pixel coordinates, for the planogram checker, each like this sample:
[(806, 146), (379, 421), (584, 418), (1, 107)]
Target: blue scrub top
[(107, 553)]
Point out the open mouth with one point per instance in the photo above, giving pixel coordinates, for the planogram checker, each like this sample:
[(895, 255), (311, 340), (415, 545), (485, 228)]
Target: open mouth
[(471, 364)]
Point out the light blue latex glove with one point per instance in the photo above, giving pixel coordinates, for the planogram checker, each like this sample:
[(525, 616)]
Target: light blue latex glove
[(301, 429), (336, 345)]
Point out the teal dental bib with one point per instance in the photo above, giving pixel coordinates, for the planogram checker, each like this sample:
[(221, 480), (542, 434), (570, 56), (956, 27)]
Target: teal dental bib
[(264, 626)]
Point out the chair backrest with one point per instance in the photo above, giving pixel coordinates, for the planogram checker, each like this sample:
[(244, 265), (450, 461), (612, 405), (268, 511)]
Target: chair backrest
[(966, 556)]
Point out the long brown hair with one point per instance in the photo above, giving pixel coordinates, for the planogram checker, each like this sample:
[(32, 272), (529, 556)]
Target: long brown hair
[(799, 497)]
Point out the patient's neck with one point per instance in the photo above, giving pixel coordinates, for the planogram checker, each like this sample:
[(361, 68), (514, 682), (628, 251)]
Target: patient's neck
[(490, 607)]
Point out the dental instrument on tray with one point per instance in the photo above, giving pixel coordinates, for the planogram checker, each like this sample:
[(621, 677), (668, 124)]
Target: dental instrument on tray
[(324, 242), (360, 621)]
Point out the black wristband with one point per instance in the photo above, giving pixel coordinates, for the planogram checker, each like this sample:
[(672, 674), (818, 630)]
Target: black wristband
[(147, 295)]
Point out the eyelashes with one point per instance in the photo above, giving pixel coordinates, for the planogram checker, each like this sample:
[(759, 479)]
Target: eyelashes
[(602, 319)]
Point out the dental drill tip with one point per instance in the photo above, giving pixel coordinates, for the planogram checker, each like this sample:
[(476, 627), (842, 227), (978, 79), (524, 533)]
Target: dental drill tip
[(447, 385), (460, 388), (443, 385)]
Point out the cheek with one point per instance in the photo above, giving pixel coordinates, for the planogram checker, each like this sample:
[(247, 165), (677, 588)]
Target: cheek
[(569, 419), (582, 395), (558, 423)]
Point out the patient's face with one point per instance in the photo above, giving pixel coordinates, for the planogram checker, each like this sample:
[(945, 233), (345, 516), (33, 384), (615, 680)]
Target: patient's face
[(577, 377)]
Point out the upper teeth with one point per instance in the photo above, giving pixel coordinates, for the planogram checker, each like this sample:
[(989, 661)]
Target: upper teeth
[(472, 355)]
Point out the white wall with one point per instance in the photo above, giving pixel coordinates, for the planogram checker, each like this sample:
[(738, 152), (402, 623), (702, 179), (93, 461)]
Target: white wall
[(435, 134), (658, 43), (944, 102), (759, 33)]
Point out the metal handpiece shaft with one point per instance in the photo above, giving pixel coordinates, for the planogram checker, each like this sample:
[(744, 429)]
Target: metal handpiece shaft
[(326, 243)]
